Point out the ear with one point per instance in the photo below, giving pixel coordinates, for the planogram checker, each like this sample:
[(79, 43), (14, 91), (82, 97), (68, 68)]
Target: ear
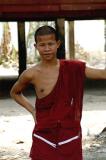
[(35, 45), (58, 43)]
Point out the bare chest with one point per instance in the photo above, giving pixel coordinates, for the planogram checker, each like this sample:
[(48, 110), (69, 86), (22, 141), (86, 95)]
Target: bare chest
[(45, 83)]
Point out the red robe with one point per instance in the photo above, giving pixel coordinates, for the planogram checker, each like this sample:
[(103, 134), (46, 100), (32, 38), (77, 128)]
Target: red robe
[(57, 135)]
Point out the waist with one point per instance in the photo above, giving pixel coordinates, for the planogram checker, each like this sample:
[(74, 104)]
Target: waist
[(69, 124)]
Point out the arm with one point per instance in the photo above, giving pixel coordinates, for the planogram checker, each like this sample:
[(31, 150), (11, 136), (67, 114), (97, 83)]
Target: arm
[(16, 92), (95, 73)]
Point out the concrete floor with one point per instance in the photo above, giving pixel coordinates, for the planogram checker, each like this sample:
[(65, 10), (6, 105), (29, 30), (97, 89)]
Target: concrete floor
[(16, 124)]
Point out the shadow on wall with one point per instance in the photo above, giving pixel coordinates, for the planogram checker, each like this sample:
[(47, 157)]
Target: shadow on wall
[(5, 87), (95, 84), (6, 84)]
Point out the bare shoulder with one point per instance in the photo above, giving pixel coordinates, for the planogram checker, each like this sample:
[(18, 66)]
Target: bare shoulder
[(29, 74), (27, 77)]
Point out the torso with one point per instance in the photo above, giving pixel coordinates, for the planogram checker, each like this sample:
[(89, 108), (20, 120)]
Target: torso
[(45, 79)]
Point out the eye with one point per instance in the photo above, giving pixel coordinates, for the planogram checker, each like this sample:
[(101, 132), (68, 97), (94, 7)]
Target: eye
[(51, 44), (41, 45)]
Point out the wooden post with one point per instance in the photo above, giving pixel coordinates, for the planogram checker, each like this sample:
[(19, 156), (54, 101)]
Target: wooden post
[(105, 41), (22, 47), (105, 35), (61, 33), (69, 39)]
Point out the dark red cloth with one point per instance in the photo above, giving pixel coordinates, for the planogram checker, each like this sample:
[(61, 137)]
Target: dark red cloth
[(59, 115)]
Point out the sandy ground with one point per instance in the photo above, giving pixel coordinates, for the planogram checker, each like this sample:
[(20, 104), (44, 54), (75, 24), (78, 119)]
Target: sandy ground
[(16, 126)]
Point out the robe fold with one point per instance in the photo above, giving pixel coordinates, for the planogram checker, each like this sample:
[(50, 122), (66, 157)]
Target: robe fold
[(57, 134)]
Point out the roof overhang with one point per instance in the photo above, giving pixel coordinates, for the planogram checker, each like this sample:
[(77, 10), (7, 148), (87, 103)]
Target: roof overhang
[(40, 9)]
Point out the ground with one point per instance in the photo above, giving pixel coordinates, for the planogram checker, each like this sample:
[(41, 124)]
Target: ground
[(16, 126)]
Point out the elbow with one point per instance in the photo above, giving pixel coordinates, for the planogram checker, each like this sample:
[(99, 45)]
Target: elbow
[(14, 93)]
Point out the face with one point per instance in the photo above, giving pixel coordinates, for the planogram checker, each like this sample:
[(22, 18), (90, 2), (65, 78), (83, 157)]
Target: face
[(47, 46)]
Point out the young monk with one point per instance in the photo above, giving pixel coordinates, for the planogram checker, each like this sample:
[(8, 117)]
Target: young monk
[(59, 93)]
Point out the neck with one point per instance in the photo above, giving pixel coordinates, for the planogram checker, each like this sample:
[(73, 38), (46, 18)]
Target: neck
[(49, 63)]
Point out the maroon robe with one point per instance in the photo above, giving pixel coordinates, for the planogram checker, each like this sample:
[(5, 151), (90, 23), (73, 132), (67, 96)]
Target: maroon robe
[(59, 115)]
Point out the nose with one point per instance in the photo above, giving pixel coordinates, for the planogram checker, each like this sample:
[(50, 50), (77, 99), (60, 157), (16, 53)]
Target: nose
[(46, 47)]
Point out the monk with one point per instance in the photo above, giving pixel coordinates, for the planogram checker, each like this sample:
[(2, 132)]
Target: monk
[(59, 86)]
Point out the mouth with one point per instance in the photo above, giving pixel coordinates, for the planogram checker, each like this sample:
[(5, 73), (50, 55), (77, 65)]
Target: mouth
[(47, 54)]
